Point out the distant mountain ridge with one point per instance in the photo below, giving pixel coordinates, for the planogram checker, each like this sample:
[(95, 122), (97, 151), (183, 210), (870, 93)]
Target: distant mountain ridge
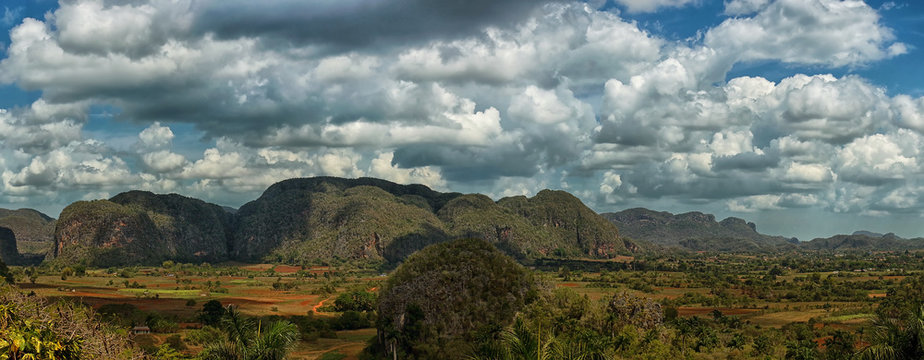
[(695, 231), (864, 241), (326, 218), (34, 231), (870, 233)]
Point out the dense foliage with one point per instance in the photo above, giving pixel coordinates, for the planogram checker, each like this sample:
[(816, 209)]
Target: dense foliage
[(5, 274), (356, 301), (248, 339), (447, 295), (31, 328)]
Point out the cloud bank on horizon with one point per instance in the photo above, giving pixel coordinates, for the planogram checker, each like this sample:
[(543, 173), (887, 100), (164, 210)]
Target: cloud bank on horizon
[(505, 98)]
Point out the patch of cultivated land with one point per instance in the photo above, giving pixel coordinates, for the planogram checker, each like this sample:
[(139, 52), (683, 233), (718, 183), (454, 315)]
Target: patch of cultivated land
[(350, 343), (248, 287), (742, 287)]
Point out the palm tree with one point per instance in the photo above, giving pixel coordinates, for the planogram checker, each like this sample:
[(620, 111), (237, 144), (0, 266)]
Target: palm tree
[(519, 342), (897, 339), (249, 341)]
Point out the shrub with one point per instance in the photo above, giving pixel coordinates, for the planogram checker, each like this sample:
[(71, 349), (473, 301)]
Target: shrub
[(30, 327), (355, 301), (176, 342), (446, 295)]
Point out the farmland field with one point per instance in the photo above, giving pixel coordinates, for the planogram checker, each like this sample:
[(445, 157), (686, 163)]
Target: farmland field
[(260, 290), (767, 295)]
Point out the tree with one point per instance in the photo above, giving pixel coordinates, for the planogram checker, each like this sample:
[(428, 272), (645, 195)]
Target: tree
[(447, 295), (355, 301), (249, 340), (627, 309), (212, 312), (519, 342), (33, 328), (5, 273), (897, 338), (840, 345)]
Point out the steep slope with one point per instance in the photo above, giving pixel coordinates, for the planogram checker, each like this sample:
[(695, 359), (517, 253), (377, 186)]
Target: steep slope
[(572, 224), (322, 218), (141, 227), (477, 216), (863, 242), (327, 217), (361, 222), (695, 231), (34, 230), (8, 252)]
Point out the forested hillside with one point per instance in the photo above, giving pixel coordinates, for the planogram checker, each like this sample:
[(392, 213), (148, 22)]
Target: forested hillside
[(326, 218), (34, 230), (142, 228)]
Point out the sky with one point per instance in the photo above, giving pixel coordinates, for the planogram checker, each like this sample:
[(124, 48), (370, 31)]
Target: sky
[(804, 116)]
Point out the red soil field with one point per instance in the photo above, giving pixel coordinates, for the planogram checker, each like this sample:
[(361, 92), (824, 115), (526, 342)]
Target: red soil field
[(287, 269), (698, 311)]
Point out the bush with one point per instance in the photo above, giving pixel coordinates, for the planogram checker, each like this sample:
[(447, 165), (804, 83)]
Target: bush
[(160, 324), (442, 297), (5, 273), (351, 320), (212, 312), (176, 342), (59, 330), (204, 335), (355, 301), (122, 314)]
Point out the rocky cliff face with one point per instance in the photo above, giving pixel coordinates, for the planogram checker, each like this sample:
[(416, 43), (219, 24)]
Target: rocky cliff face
[(694, 231), (142, 228), (8, 252)]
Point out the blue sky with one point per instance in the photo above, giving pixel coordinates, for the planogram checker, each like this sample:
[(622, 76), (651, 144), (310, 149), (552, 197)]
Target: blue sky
[(805, 116)]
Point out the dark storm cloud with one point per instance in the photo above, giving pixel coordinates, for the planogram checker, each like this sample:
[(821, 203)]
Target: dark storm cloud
[(468, 163), (351, 24), (746, 162), (653, 182)]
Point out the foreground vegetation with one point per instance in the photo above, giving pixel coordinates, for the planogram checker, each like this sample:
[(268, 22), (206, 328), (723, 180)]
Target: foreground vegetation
[(691, 306)]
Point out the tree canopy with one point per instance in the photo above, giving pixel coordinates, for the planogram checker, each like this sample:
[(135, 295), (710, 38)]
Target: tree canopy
[(447, 295)]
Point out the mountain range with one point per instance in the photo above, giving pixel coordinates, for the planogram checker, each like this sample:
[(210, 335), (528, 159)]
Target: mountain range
[(317, 220), (865, 241), (696, 231), (325, 218)]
